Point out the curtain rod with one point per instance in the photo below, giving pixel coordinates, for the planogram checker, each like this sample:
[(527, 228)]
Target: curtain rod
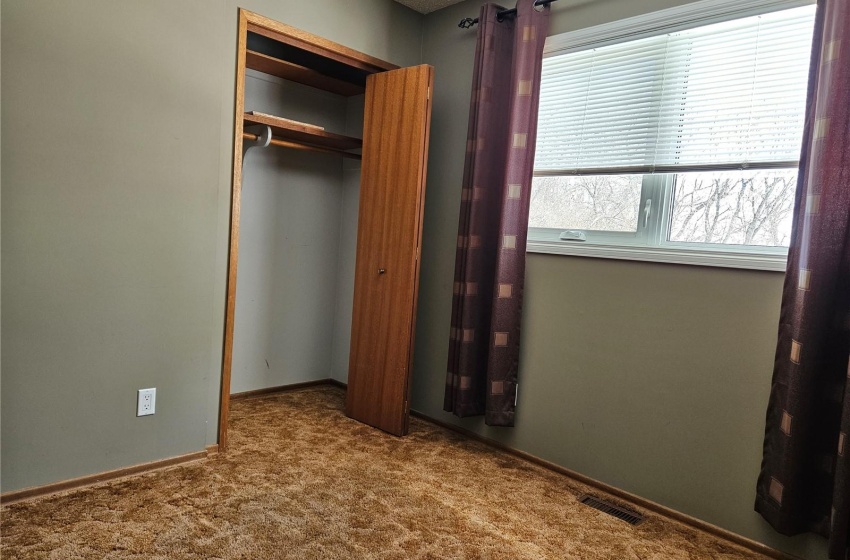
[(466, 23)]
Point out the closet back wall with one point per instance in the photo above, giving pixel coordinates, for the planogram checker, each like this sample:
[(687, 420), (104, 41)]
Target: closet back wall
[(117, 148), (349, 214), (289, 245)]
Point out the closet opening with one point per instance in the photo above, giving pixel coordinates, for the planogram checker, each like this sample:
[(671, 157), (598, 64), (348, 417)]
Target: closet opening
[(330, 149)]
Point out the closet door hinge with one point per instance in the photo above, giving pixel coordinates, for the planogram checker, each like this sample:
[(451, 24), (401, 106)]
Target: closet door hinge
[(428, 95)]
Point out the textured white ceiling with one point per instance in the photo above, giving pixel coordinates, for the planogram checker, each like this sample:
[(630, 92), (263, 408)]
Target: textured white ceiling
[(426, 6)]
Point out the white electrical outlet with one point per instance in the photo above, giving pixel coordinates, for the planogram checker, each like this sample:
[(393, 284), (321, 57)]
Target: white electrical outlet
[(146, 404)]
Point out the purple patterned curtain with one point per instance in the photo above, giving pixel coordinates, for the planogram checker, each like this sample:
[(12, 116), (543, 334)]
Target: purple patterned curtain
[(490, 261), (804, 483)]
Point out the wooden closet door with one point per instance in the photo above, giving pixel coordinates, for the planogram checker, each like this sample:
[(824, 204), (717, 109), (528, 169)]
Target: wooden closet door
[(392, 187)]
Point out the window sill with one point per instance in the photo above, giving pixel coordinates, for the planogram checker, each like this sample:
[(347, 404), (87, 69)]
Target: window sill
[(673, 255)]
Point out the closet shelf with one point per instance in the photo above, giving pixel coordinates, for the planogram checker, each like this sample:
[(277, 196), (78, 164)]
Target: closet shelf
[(287, 130), (293, 72)]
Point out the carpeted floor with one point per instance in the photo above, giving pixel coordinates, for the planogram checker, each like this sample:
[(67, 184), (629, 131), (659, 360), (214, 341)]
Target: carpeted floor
[(303, 481)]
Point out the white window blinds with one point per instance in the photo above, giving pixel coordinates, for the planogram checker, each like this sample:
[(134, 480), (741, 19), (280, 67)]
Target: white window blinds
[(726, 95)]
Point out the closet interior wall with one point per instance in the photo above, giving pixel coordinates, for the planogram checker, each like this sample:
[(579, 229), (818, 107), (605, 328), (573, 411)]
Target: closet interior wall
[(298, 235), (349, 214)]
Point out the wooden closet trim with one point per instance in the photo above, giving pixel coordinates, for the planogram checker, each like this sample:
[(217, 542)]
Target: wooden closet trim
[(250, 21), (313, 43)]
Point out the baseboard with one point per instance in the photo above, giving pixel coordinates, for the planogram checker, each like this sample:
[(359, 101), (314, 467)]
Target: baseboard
[(89, 480), (654, 507), (256, 393), (338, 383)]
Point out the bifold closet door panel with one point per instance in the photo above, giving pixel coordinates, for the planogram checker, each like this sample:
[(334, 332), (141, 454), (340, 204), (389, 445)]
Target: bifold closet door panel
[(392, 186)]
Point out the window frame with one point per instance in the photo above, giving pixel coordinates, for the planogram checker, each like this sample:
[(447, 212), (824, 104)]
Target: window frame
[(650, 242)]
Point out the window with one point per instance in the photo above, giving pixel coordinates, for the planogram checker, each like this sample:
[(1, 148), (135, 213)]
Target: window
[(678, 146)]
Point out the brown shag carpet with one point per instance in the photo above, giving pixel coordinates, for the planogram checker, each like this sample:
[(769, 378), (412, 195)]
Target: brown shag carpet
[(303, 481)]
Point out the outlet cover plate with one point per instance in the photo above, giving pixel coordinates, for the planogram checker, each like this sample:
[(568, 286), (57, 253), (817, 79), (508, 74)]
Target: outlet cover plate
[(146, 403)]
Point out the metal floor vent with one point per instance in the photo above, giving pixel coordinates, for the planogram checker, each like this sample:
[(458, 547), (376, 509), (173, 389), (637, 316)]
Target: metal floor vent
[(627, 515)]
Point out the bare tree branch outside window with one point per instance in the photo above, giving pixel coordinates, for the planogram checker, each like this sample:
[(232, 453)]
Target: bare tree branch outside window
[(740, 208), (592, 202), (734, 207)]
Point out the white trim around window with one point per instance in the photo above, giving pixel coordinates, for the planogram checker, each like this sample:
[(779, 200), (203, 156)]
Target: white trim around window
[(723, 258)]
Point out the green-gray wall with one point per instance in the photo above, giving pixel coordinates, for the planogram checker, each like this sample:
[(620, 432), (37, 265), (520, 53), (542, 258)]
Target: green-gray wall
[(652, 378), (111, 120), (117, 143)]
